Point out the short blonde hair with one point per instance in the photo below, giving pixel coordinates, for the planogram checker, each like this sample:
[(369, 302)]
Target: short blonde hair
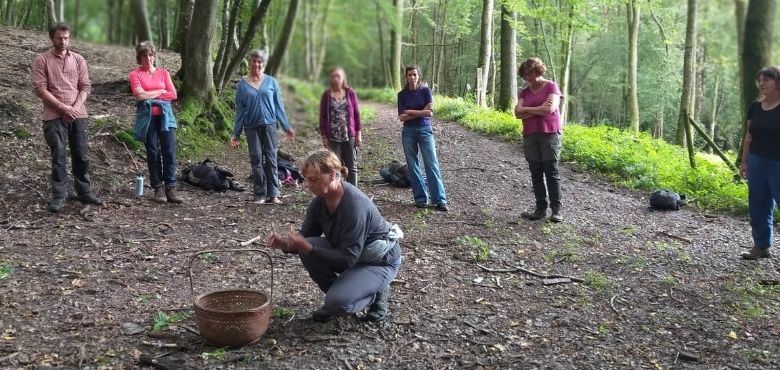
[(325, 161), (143, 48)]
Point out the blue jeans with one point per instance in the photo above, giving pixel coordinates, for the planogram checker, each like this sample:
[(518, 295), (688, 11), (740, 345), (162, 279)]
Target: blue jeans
[(763, 192), (348, 291), (263, 145), (160, 153), (419, 139)]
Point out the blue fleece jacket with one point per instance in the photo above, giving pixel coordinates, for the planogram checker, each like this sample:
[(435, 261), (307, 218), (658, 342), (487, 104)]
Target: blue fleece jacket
[(143, 117), (263, 106)]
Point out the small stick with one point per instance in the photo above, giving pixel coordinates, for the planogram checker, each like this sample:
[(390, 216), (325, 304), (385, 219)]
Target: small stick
[(612, 304), (34, 189), (250, 241), (532, 273), (160, 345), (670, 235), (6, 358), (289, 320)]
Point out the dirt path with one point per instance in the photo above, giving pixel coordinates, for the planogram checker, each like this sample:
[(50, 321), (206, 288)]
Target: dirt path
[(658, 284)]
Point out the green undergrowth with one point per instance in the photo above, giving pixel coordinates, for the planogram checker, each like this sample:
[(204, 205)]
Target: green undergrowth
[(202, 133), (629, 159), (307, 97)]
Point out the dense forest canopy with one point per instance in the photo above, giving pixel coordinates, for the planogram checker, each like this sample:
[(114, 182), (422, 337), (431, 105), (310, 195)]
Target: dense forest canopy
[(591, 37)]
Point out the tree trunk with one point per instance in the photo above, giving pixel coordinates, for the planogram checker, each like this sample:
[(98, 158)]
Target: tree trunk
[(76, 11), (182, 27), (323, 36), (275, 61), (508, 91), (59, 9), (162, 10), (413, 28), (442, 47), (485, 50), (566, 49), (382, 57), (683, 127), (246, 41), (395, 44), (714, 110), (740, 12), (51, 12), (227, 22), (198, 83), (756, 52), (632, 13), (143, 29)]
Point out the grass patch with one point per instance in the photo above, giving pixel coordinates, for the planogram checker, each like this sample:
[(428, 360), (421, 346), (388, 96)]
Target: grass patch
[(282, 313), (163, 320), (749, 299), (597, 281), (217, 354), (126, 137), (21, 133), (479, 248), (6, 270), (669, 280)]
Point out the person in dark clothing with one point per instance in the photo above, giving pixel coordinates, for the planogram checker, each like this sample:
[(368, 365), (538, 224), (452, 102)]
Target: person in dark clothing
[(340, 124), (761, 161), (347, 247)]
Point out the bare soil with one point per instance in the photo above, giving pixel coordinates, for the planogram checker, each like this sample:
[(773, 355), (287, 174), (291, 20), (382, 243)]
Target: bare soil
[(661, 290)]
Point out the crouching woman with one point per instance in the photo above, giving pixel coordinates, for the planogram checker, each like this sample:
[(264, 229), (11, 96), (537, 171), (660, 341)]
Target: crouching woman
[(347, 247)]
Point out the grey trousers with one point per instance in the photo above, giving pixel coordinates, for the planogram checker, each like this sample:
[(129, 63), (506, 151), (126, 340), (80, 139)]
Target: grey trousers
[(543, 152), (263, 145), (352, 290), (58, 136), (346, 151)]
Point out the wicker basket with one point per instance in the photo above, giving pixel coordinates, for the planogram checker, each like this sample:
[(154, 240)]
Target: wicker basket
[(233, 317)]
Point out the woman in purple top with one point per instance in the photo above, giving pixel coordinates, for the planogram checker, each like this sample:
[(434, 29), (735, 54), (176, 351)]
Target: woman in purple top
[(415, 109), (537, 106), (340, 122)]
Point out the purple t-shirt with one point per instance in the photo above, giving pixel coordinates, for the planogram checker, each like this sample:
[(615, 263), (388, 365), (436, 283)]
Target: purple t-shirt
[(547, 124), (416, 100)]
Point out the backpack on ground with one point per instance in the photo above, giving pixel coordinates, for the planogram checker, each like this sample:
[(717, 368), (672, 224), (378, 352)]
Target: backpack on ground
[(396, 174), (210, 176), (666, 200)]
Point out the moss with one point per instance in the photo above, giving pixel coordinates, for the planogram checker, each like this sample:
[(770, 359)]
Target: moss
[(21, 133), (127, 138), (204, 129)]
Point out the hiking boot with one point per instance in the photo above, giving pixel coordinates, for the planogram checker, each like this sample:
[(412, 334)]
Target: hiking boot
[(170, 194), (538, 214), (441, 207), (756, 253), (159, 194), (556, 215), (322, 314), (56, 204), (379, 310), (421, 205), (90, 199)]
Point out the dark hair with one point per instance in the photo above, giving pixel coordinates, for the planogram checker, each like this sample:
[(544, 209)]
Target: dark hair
[(412, 67), (59, 26), (770, 72), (532, 64), (143, 48)]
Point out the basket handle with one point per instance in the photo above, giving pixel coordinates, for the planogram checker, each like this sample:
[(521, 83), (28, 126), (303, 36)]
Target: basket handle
[(270, 261)]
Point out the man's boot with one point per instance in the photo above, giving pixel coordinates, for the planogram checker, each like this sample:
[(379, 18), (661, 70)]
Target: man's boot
[(538, 214), (170, 193), (556, 215), (756, 253), (159, 194)]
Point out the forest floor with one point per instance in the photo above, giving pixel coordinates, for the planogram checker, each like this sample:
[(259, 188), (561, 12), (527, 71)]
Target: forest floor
[(84, 288)]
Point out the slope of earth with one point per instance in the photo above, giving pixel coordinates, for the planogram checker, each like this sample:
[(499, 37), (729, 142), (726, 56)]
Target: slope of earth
[(87, 288)]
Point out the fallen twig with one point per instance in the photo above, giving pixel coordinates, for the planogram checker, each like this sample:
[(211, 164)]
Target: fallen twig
[(670, 235), (465, 168), (9, 357), (33, 189), (289, 320), (612, 304), (532, 273), (250, 241), (395, 351), (159, 344)]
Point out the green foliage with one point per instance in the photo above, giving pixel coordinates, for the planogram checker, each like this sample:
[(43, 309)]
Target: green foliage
[(6, 270), (163, 320), (386, 95), (217, 354), (21, 133), (479, 247), (597, 280), (751, 300), (127, 138), (202, 132), (282, 313)]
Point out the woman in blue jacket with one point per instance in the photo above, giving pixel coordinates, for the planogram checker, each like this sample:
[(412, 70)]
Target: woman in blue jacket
[(259, 107)]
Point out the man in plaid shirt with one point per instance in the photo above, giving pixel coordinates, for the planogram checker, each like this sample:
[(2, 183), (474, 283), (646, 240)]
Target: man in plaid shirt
[(61, 79)]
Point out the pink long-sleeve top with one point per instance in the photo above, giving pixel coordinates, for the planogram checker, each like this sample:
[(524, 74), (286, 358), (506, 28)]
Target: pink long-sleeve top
[(160, 79)]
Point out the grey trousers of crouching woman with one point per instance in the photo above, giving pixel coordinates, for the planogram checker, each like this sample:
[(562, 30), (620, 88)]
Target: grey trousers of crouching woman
[(352, 290)]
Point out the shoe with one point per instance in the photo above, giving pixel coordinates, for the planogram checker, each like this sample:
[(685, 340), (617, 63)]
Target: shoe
[(90, 199), (259, 200), (380, 309), (756, 253), (56, 204), (442, 207), (274, 200), (538, 214), (421, 205), (159, 194), (170, 194), (322, 314), (556, 215)]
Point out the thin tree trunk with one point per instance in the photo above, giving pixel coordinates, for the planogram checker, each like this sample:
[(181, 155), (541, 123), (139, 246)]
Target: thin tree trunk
[(198, 82), (566, 49), (183, 21), (632, 13), (508, 92), (246, 41), (485, 50), (684, 136), (143, 29), (714, 110), (323, 32), (227, 12), (413, 28), (59, 8), (162, 10), (395, 43), (443, 43), (51, 12), (382, 57), (275, 61)]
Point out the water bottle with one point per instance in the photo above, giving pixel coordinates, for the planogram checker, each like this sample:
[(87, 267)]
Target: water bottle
[(139, 186)]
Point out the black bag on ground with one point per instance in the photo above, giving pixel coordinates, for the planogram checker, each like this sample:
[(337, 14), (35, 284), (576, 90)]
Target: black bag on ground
[(666, 200), (396, 174), (210, 176)]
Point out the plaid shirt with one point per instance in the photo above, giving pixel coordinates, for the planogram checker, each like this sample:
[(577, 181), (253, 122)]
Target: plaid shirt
[(62, 76)]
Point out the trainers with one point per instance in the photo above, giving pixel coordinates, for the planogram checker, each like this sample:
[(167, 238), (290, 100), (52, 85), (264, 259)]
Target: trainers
[(756, 253), (159, 194), (556, 215), (442, 207), (259, 200), (171, 196), (56, 204), (379, 310), (90, 199), (322, 314), (274, 200), (538, 214)]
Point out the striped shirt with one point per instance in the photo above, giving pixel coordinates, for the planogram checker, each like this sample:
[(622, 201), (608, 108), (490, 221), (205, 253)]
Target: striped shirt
[(62, 76)]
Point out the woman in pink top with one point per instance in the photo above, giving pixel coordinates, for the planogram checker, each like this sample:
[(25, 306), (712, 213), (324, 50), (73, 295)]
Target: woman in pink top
[(155, 123), (537, 106)]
